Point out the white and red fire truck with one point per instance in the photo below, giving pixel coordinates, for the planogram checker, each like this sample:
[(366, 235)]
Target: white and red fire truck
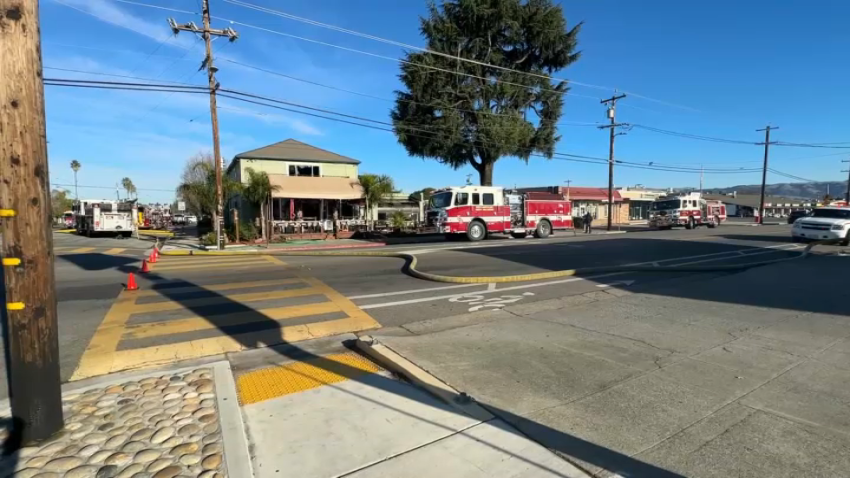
[(476, 211), (689, 210)]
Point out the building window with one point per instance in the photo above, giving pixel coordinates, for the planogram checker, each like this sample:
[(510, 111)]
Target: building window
[(488, 199), (461, 199), (305, 170), (476, 199)]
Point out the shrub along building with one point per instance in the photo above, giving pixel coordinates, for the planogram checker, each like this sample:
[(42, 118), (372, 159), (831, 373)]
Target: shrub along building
[(311, 184)]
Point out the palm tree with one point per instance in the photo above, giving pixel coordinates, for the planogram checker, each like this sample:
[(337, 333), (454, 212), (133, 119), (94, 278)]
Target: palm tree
[(257, 191), (199, 190), (128, 186), (75, 166), (375, 188)]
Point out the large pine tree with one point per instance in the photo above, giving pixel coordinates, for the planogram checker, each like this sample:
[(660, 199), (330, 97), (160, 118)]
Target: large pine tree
[(475, 113)]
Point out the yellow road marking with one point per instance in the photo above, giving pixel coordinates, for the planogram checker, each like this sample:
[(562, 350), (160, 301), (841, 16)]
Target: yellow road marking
[(215, 265), (196, 323), (267, 383), (275, 260), (117, 250), (216, 287), (82, 249), (98, 356), (192, 260), (246, 297), (163, 354)]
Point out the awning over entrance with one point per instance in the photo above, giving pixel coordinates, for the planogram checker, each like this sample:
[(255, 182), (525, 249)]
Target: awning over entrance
[(315, 188)]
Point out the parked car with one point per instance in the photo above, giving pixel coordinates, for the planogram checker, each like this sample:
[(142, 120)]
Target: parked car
[(190, 220), (178, 219), (797, 215)]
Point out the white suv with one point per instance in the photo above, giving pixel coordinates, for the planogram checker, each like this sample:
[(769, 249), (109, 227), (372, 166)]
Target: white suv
[(824, 223)]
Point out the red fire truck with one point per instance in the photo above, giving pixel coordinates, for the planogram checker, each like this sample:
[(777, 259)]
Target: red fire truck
[(476, 211), (689, 210)]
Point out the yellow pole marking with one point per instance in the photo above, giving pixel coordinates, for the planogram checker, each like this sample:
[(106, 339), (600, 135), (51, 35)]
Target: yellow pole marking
[(98, 356), (82, 249), (112, 252), (164, 354), (11, 261), (7, 213), (196, 323), (215, 265), (15, 306), (214, 288), (272, 382), (250, 296)]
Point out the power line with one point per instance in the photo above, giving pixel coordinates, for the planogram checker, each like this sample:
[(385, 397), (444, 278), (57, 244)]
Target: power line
[(159, 7), (377, 124), (111, 187), (736, 141), (86, 72), (791, 176), (433, 52)]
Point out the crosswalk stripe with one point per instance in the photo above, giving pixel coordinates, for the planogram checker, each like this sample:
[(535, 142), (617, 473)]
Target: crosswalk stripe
[(215, 287), (247, 297), (197, 323), (114, 251), (167, 267), (82, 249), (162, 354)]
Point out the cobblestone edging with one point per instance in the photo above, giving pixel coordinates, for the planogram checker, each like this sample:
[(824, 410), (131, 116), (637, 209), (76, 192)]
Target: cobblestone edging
[(154, 427)]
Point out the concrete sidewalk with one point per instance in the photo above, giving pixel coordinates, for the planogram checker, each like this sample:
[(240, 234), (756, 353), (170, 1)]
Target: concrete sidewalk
[(738, 375), (319, 410)]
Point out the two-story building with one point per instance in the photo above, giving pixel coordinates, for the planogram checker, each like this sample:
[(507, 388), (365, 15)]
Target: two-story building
[(312, 184)]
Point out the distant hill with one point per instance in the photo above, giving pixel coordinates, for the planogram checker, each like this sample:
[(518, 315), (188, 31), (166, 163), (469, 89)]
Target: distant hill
[(837, 189)]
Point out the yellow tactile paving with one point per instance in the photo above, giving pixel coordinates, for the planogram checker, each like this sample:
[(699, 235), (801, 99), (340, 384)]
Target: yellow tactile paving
[(80, 250), (103, 355), (114, 251), (267, 383)]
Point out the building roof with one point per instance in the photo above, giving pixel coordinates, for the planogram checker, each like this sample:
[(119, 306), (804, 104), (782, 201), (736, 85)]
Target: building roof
[(293, 150), (752, 200)]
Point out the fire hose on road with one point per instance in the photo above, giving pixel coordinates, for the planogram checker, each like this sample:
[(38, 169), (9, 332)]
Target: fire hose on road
[(411, 262)]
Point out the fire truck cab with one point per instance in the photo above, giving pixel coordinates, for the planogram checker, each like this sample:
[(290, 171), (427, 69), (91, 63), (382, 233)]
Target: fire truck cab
[(476, 211), (688, 210)]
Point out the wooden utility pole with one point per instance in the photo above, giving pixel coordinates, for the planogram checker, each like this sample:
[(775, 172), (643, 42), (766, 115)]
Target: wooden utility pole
[(612, 114), (847, 194), (208, 33), (764, 169), (32, 338)]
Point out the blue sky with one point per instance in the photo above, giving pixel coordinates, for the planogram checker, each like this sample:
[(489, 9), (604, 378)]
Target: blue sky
[(732, 66)]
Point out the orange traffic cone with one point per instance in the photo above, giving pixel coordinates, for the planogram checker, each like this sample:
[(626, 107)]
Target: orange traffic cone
[(152, 258), (145, 267), (131, 282)]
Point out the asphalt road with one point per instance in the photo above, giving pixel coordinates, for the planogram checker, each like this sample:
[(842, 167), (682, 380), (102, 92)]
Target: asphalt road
[(194, 307)]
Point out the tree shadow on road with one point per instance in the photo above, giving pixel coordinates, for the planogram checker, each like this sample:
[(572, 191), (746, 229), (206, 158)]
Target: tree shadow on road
[(265, 332)]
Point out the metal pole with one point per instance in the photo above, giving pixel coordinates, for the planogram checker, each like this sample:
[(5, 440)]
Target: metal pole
[(847, 194), (32, 339)]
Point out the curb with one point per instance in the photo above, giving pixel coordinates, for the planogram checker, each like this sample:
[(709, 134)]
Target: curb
[(299, 248), (394, 362), (233, 436)]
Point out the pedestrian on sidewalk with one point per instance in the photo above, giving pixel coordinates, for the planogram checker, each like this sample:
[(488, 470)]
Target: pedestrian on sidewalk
[(587, 219)]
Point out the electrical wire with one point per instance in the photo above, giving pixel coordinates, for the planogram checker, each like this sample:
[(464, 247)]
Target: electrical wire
[(110, 187), (736, 141), (791, 176), (160, 7), (385, 126), (433, 52), (85, 72)]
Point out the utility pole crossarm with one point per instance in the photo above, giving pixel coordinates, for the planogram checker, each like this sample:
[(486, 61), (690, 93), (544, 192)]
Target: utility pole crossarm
[(207, 64)]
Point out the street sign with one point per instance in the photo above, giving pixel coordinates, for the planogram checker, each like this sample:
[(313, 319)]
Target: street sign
[(181, 206)]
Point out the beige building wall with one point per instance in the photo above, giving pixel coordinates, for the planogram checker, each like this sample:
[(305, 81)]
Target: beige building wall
[(282, 167)]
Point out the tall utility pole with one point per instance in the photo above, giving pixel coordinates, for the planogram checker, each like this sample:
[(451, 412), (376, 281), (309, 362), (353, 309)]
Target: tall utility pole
[(29, 311), (208, 33), (612, 114), (568, 181), (847, 194), (764, 169)]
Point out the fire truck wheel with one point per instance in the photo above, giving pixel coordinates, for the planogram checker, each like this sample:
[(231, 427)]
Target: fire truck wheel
[(543, 230), (690, 224), (476, 231), (846, 241)]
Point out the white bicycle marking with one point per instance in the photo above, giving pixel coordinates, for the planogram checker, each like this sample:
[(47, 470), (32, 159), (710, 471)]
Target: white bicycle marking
[(479, 302)]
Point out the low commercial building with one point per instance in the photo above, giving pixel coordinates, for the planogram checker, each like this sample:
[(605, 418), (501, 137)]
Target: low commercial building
[(640, 200), (746, 205), (592, 200), (413, 209), (312, 184)]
